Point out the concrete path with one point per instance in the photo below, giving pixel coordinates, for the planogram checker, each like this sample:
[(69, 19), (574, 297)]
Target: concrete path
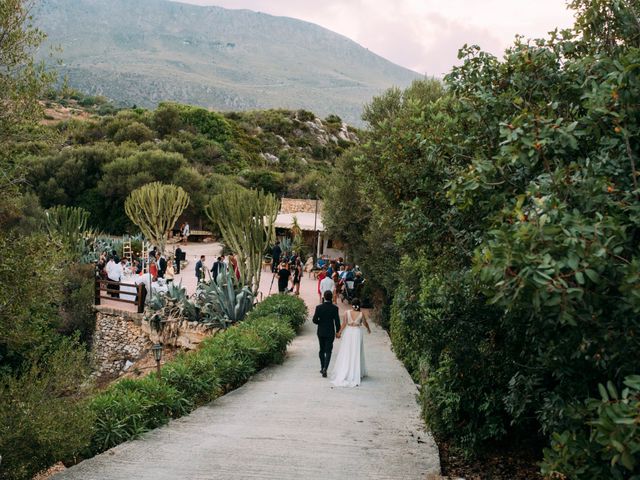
[(289, 423)]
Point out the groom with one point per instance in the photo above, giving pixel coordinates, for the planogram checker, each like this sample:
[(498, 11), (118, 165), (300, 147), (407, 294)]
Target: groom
[(327, 318)]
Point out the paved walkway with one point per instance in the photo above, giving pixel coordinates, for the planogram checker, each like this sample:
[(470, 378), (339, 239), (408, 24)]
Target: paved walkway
[(288, 423)]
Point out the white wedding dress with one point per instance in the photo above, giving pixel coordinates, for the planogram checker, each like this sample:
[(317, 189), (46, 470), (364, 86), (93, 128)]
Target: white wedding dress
[(350, 366)]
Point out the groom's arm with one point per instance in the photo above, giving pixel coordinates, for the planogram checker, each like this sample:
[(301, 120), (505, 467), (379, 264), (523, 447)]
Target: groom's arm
[(336, 318), (316, 317)]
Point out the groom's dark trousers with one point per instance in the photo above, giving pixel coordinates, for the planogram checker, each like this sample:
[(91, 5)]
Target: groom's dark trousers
[(327, 318)]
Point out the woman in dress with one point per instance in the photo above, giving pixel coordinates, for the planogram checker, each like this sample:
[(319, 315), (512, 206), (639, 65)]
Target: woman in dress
[(350, 365), (169, 274), (297, 275)]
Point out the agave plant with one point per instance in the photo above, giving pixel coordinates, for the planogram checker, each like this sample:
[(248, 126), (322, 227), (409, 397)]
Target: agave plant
[(225, 300)]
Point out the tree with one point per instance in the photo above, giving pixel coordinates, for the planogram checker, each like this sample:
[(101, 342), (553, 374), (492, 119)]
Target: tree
[(155, 208), (246, 220), (22, 81)]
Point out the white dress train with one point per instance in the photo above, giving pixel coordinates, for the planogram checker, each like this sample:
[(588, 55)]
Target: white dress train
[(350, 365)]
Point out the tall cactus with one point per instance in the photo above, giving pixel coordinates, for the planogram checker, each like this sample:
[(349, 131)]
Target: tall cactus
[(155, 208), (71, 224), (246, 220)]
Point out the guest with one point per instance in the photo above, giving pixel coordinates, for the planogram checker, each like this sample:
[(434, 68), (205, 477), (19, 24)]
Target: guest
[(162, 266), (217, 268), (153, 269), (234, 263), (112, 274), (283, 277), (275, 256), (178, 254), (327, 285), (321, 276), (169, 272), (297, 275), (185, 233), (200, 269)]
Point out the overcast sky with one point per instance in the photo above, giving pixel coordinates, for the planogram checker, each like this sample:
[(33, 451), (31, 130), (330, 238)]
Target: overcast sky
[(423, 35)]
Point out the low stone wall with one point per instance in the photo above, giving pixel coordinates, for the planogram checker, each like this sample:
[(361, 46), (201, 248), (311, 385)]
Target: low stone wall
[(118, 339), (122, 338)]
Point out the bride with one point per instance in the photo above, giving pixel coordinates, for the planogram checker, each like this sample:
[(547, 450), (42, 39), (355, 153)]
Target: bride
[(350, 366)]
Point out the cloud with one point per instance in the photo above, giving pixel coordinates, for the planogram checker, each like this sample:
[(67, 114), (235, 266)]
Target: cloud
[(423, 35)]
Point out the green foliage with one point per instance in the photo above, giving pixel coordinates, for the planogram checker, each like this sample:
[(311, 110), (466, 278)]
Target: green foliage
[(131, 407), (227, 300), (288, 308), (70, 223), (102, 160), (245, 219), (604, 442), (155, 208), (512, 198), (23, 82), (43, 418), (76, 311), (223, 362)]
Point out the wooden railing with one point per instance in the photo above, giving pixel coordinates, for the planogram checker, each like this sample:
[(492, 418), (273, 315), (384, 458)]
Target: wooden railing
[(108, 286)]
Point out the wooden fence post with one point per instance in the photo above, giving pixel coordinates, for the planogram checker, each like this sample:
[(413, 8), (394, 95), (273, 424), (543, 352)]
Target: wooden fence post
[(142, 296), (97, 291)]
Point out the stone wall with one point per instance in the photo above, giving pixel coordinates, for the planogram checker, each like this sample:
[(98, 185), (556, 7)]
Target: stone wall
[(299, 205), (122, 338), (118, 340)]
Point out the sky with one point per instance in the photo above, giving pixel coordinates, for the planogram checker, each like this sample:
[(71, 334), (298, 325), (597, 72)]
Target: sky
[(423, 35)]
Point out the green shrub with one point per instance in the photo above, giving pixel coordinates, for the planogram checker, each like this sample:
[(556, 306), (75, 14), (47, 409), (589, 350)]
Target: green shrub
[(605, 439), (131, 407), (194, 377), (77, 309), (289, 308), (450, 342), (43, 418)]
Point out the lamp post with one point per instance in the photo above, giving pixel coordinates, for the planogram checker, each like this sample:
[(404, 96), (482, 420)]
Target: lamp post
[(157, 354)]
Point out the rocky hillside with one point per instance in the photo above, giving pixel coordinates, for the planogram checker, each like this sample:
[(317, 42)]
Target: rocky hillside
[(103, 153), (148, 51)]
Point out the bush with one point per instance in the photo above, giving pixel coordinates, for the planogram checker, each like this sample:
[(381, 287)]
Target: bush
[(605, 440), (42, 416), (77, 309), (289, 308), (131, 407)]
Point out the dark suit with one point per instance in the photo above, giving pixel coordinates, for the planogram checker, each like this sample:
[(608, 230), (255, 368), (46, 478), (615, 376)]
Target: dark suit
[(163, 267), (216, 270), (199, 270), (178, 258), (327, 318)]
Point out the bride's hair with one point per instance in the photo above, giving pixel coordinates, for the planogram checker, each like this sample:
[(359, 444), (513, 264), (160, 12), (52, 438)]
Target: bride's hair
[(355, 303)]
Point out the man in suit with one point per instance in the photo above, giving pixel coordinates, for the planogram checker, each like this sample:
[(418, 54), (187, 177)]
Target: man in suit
[(162, 266), (200, 269), (217, 268), (178, 256), (327, 318), (276, 251)]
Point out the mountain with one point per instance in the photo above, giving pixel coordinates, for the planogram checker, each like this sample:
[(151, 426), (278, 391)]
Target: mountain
[(146, 51)]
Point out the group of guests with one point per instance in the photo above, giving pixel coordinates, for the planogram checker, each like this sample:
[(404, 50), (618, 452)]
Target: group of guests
[(335, 275), (113, 269), (222, 263)]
